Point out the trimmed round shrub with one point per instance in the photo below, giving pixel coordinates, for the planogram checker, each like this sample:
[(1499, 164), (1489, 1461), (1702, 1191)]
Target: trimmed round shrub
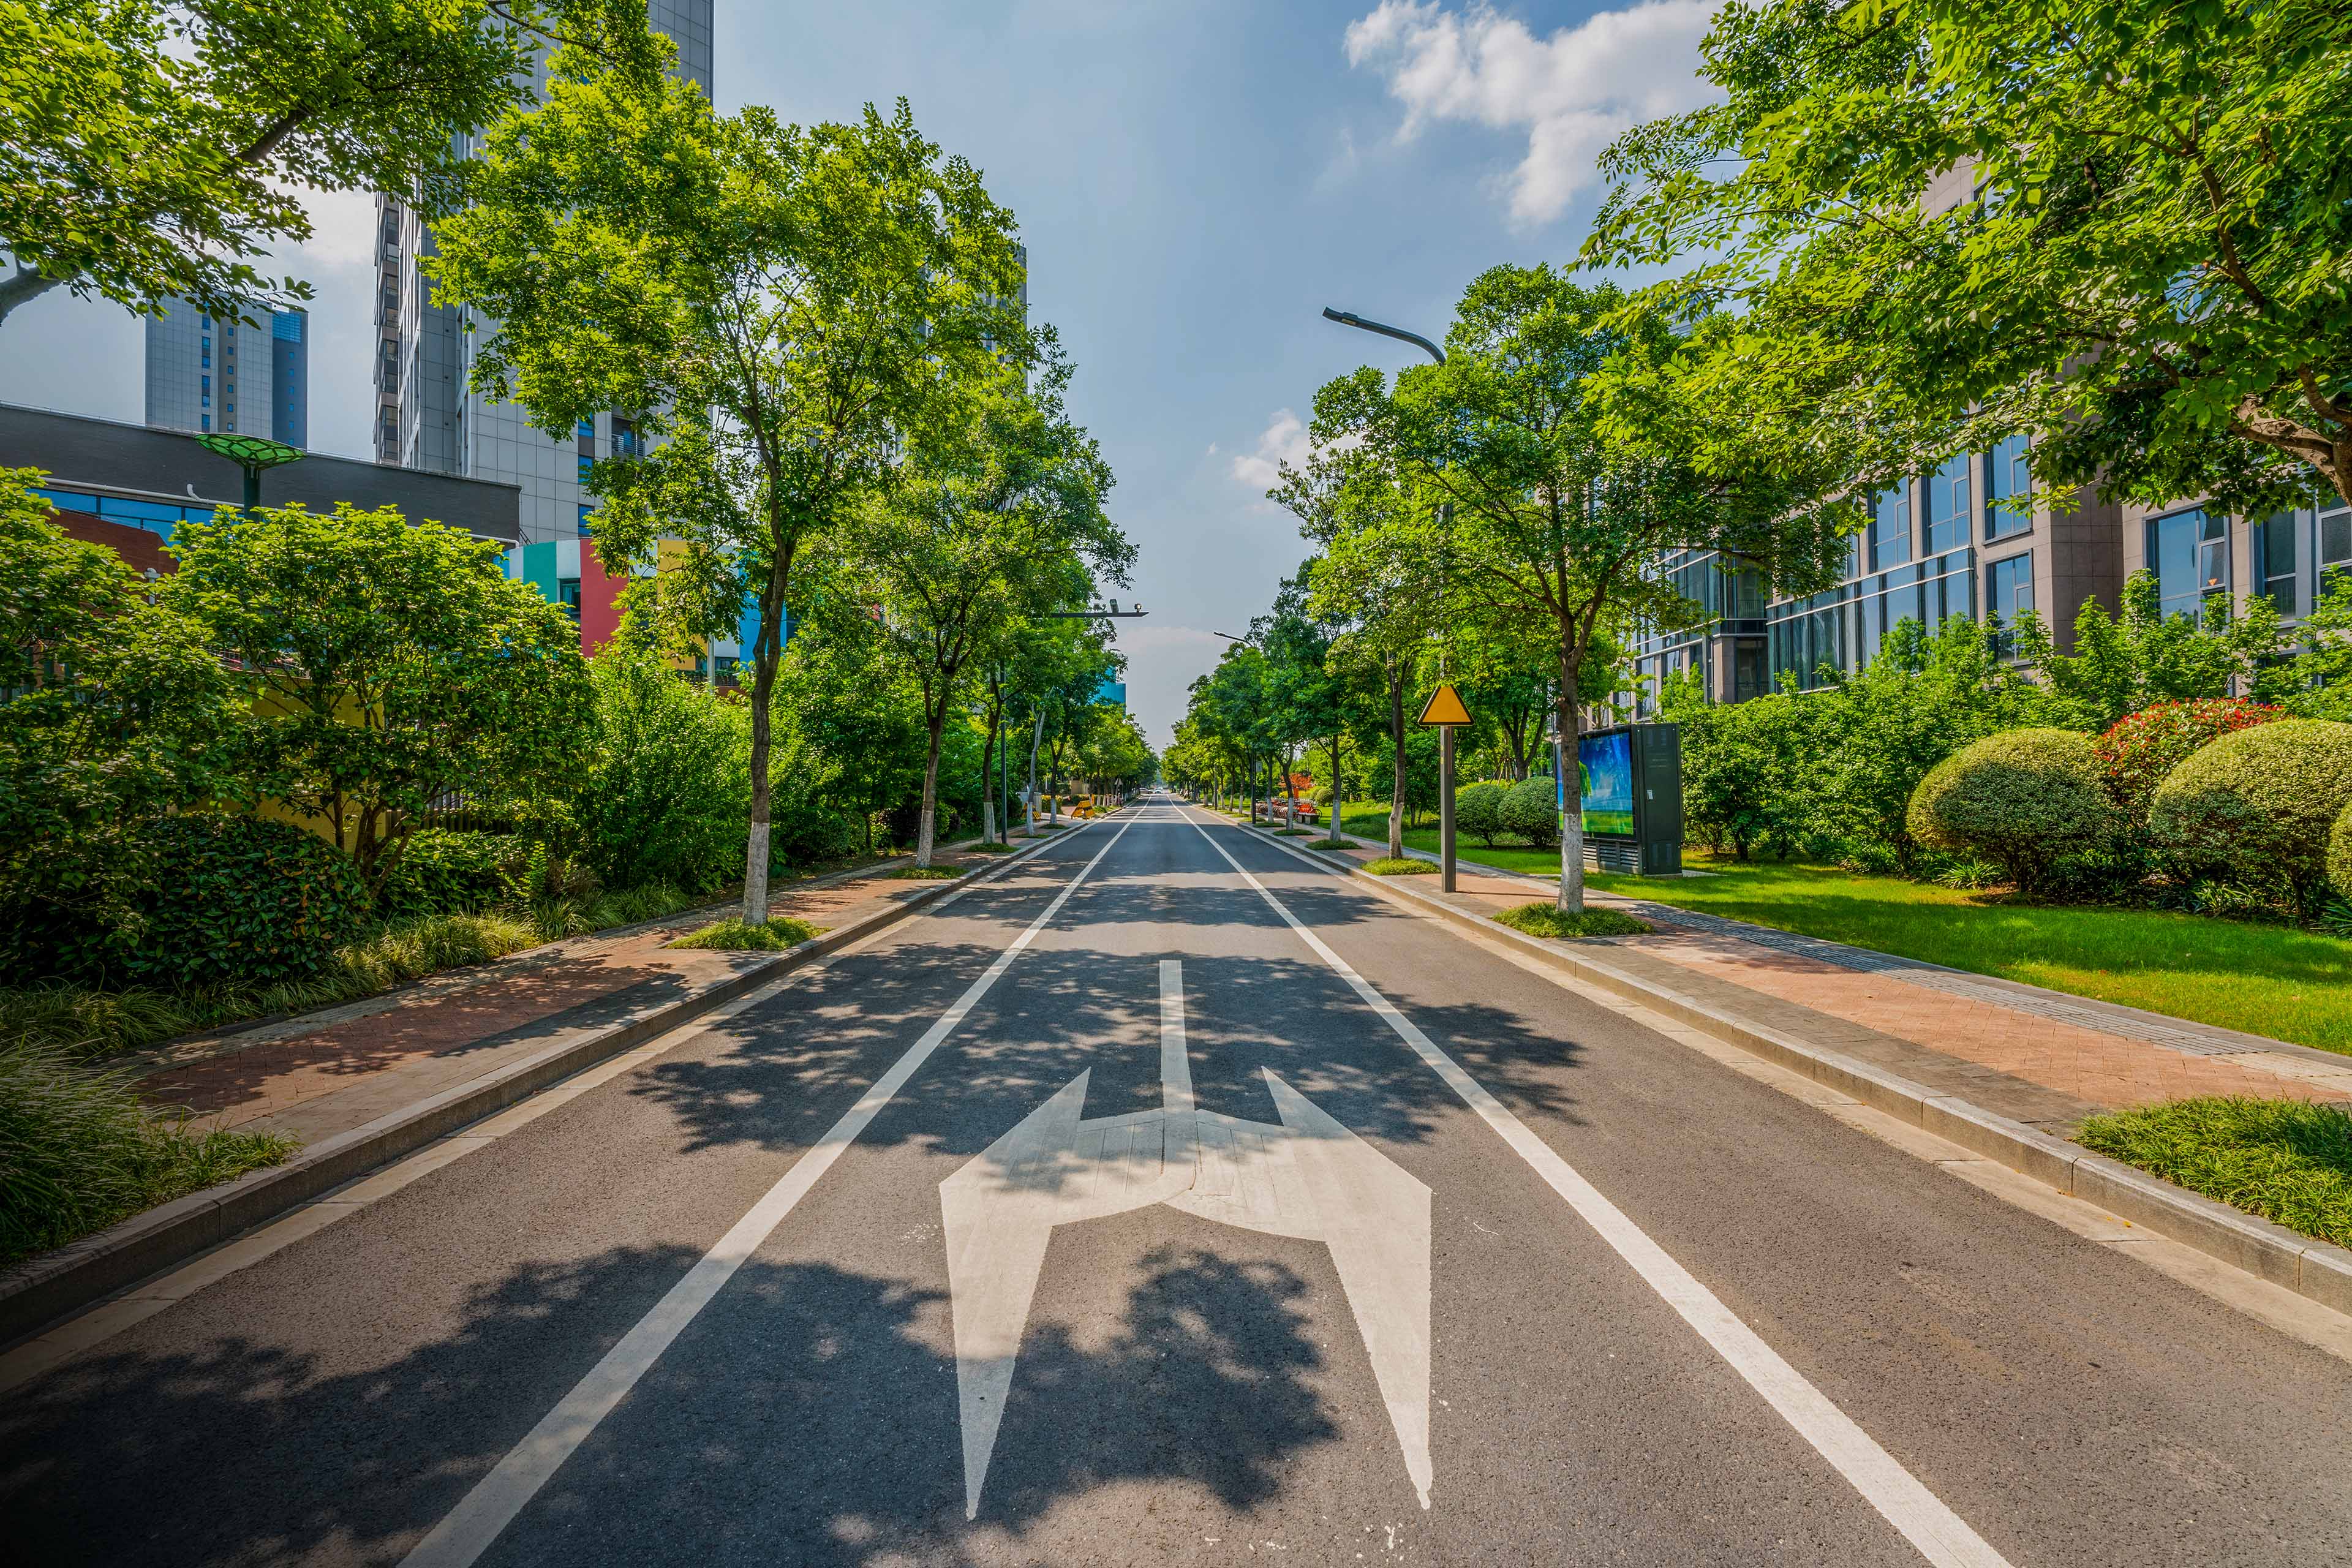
[(2339, 853), (445, 873), (1531, 811), (2026, 800), (1320, 795), (1478, 810), (2260, 803), (2140, 749), (236, 902)]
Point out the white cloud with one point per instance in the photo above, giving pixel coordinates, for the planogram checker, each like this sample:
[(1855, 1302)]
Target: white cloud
[(1573, 92), (1283, 440)]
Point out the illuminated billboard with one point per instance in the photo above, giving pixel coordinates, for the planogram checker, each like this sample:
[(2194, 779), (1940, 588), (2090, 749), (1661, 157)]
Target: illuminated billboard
[(1606, 763)]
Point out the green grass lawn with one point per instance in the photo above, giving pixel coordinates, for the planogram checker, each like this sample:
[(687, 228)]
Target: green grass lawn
[(2286, 983)]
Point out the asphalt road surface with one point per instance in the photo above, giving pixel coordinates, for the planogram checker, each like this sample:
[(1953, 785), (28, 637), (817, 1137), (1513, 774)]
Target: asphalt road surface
[(1167, 1200)]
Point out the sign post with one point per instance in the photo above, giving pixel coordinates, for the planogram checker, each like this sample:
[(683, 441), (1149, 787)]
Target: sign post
[(1446, 714)]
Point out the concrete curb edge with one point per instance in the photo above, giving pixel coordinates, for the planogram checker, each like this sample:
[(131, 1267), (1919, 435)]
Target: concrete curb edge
[(2315, 1270), (57, 1284)]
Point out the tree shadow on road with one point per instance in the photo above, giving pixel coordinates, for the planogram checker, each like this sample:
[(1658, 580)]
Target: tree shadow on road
[(808, 1416)]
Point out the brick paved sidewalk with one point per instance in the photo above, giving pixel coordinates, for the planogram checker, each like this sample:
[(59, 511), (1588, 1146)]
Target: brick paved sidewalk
[(327, 1072), (2039, 1057)]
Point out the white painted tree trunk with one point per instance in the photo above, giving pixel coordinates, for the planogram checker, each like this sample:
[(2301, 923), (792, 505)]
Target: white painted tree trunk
[(755, 875)]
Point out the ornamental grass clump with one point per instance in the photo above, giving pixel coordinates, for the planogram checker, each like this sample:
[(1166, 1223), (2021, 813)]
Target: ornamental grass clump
[(2286, 1160), (2260, 804), (2027, 800), (737, 935), (78, 1151), (1551, 920), (1388, 866)]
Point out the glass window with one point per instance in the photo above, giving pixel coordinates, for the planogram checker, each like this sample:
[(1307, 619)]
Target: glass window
[(2009, 491), (67, 500), (2009, 588), (1890, 529), (2275, 561), (567, 593), (583, 521), (2189, 554), (588, 430), (1947, 505), (2335, 539)]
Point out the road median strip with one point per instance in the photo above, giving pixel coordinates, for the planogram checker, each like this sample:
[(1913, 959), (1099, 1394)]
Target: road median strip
[(2316, 1270), (37, 1292)]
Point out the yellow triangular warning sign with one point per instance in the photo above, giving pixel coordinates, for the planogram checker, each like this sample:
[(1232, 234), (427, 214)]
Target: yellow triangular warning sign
[(1444, 706)]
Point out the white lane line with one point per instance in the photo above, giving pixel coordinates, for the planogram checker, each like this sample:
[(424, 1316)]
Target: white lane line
[(468, 1530), (1175, 1061), (1942, 1537)]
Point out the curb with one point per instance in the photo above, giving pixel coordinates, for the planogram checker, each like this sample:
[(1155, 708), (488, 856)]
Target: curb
[(2316, 1271), (58, 1283)]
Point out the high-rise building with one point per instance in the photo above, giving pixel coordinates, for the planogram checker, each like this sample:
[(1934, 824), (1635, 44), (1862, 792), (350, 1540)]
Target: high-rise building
[(218, 373), (427, 417)]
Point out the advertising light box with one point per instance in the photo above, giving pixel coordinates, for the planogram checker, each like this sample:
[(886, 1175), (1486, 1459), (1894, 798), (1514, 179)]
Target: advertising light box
[(1632, 799)]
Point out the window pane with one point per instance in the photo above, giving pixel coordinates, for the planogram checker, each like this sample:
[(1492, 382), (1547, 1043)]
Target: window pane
[(2172, 554), (2335, 539), (1947, 505), (1890, 530), (2008, 490)]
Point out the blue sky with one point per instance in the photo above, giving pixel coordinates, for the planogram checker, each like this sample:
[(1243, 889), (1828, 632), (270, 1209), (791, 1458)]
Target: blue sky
[(1195, 180)]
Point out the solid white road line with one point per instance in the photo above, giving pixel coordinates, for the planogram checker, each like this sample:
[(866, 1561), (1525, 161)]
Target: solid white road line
[(1943, 1537), (1175, 1062), (468, 1530)]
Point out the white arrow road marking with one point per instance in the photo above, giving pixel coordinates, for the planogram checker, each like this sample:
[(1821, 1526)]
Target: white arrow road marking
[(1309, 1178), (468, 1530), (1941, 1536)]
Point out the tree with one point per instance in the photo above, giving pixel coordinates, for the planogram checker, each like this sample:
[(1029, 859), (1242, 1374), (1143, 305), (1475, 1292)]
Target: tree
[(782, 309), (1378, 583), (1563, 437), (998, 516), (663, 784), (389, 666), (2115, 226), (2121, 664), (148, 151)]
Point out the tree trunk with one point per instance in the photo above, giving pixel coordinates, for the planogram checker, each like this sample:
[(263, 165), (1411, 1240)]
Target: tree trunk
[(767, 652), (1396, 772), (1571, 770), (936, 723), (1331, 831)]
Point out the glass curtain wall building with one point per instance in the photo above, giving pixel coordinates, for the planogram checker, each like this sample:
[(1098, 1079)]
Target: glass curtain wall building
[(208, 373), (425, 415)]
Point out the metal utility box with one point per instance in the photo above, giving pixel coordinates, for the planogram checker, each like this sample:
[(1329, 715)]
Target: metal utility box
[(1632, 799)]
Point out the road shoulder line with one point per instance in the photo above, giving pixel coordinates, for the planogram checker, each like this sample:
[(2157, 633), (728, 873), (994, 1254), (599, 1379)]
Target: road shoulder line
[(1929, 1524), (2314, 1269)]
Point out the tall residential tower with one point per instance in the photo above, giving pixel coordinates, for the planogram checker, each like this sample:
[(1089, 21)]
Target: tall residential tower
[(425, 415), (210, 374)]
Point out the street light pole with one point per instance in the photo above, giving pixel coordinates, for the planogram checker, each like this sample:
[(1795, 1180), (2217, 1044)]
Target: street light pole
[(1445, 520)]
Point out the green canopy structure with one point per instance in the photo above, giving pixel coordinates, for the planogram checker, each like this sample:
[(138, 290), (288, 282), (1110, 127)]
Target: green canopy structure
[(252, 454)]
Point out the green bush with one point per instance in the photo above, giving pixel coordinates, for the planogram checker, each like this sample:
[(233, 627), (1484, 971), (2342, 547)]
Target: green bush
[(1320, 795), (1478, 810), (2026, 800), (1531, 810), (445, 873), (2339, 853), (2263, 803), (2286, 1160), (78, 1152), (237, 901), (667, 787)]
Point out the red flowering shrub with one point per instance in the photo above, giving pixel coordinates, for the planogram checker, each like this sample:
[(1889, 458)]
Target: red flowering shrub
[(2140, 749)]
